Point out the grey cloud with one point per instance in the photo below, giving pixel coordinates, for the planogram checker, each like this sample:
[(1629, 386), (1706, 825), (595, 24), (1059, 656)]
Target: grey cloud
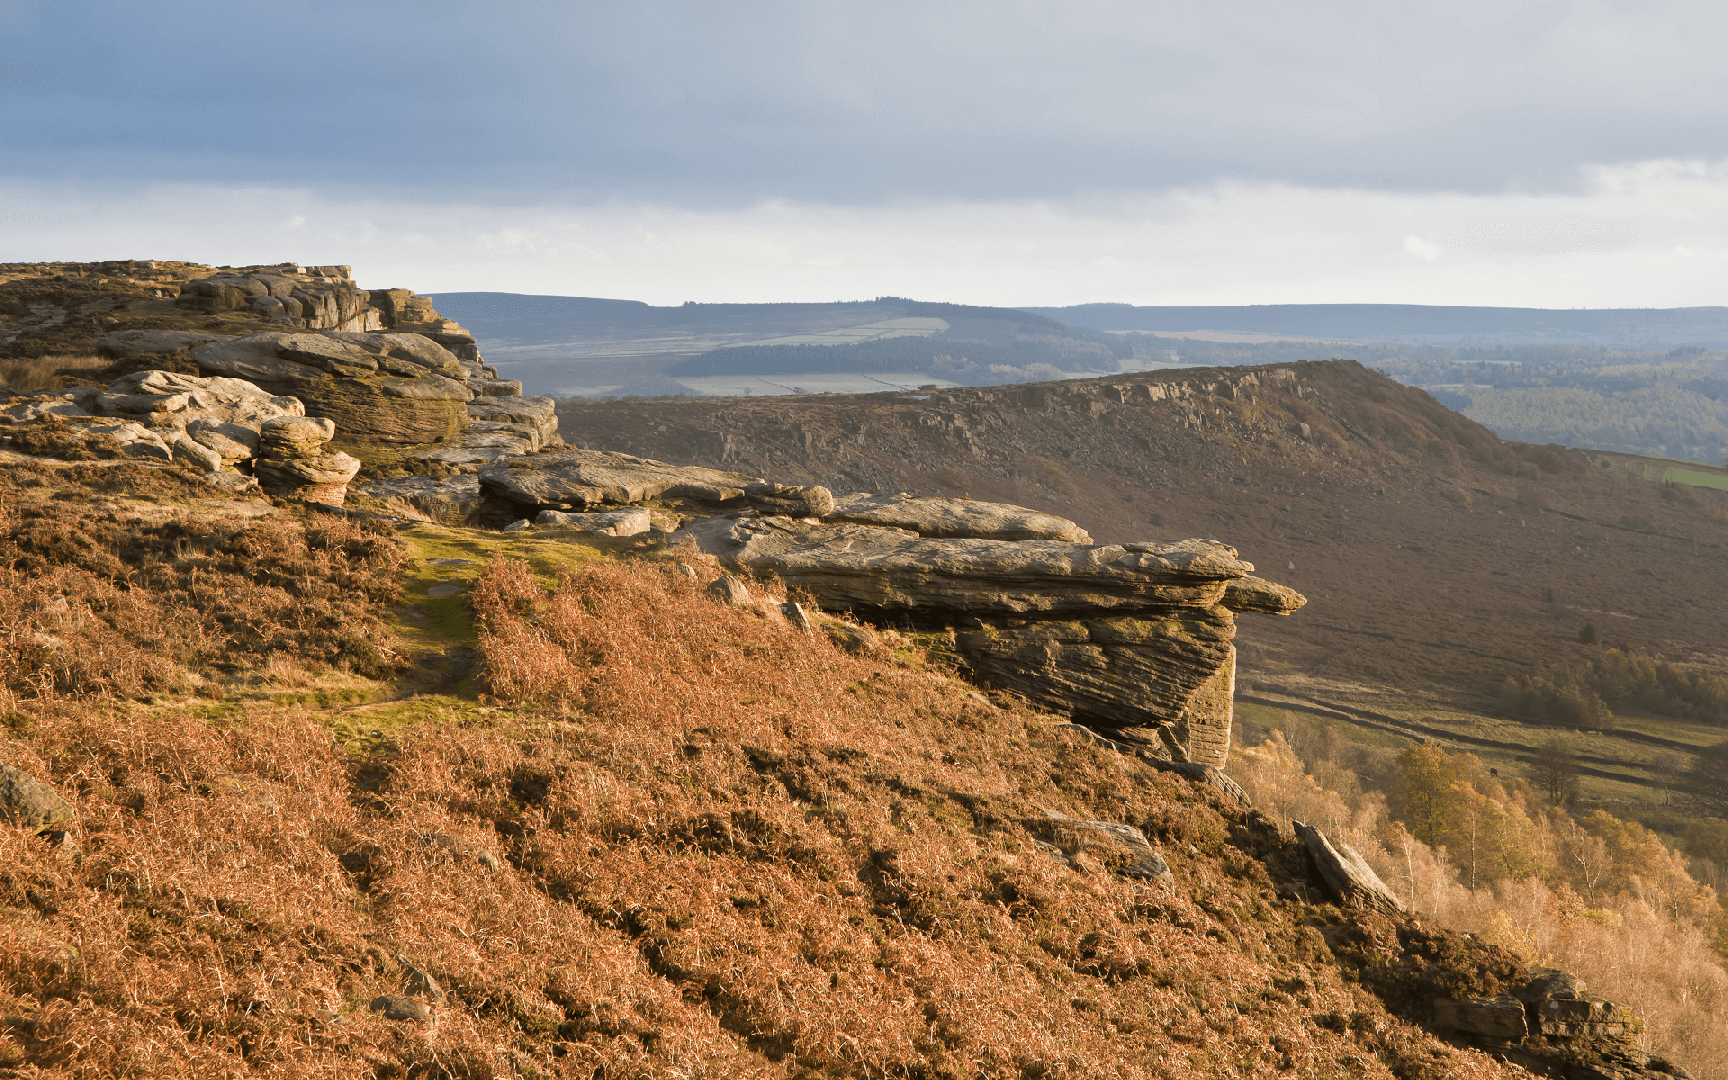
[(855, 102)]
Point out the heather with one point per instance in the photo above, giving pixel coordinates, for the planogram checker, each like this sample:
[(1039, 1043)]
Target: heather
[(673, 838)]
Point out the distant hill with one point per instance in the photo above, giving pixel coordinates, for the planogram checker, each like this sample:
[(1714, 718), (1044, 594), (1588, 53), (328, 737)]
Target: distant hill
[(580, 345), (1625, 328)]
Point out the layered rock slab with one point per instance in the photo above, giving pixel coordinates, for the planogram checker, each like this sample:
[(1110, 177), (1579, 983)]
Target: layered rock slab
[(573, 479), (378, 388), (1133, 640), (941, 518), (896, 571)]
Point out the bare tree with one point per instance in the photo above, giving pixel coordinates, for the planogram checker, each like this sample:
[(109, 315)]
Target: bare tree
[(1555, 771)]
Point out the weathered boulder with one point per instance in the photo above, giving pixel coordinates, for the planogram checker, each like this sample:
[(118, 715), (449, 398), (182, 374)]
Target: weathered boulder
[(540, 413), (1090, 846), (572, 479), (631, 522), (788, 500), (1352, 881), (28, 802), (316, 297), (171, 400), (955, 518), (1258, 594), (729, 590), (378, 388), (1499, 1017), (293, 460)]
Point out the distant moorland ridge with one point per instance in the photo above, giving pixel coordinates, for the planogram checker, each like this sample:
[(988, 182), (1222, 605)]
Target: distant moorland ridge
[(1626, 328)]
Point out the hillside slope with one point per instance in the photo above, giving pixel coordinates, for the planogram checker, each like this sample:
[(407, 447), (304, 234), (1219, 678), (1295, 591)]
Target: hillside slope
[(677, 838), (1435, 556)]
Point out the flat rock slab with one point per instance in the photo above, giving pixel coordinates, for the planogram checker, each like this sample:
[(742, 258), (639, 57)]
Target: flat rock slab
[(860, 566), (27, 801), (955, 518), (1266, 597), (1352, 881), (606, 523), (573, 479), (452, 499)]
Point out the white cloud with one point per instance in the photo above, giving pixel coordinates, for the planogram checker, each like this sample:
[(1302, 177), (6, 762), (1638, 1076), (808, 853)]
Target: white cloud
[(1421, 248), (1228, 243)]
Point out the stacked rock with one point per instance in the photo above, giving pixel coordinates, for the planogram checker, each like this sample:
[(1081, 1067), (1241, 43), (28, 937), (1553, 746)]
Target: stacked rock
[(294, 461)]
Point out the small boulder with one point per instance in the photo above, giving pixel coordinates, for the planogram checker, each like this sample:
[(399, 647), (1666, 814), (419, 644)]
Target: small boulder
[(1351, 880), (729, 590), (27, 801), (401, 1007)]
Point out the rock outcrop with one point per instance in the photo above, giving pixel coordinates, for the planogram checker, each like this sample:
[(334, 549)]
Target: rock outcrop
[(1132, 640), (1547, 1023)]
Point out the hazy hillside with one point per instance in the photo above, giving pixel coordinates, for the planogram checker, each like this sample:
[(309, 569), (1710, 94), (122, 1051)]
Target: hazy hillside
[(1624, 328), (577, 345)]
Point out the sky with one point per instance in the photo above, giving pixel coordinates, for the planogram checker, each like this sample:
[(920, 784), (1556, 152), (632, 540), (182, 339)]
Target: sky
[(1024, 153)]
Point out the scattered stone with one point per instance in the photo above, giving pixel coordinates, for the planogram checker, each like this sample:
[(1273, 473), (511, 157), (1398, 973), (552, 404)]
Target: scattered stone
[(608, 523), (417, 982), (795, 615), (438, 592), (851, 638), (729, 590), (955, 518), (1352, 881), (1124, 850), (518, 526), (400, 1007), (1202, 773), (453, 562), (27, 801), (789, 501)]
